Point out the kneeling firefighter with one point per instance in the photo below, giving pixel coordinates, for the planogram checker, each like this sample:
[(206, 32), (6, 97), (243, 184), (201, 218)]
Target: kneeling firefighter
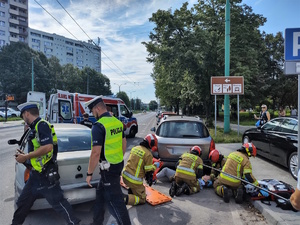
[(237, 164), (139, 165), (188, 171)]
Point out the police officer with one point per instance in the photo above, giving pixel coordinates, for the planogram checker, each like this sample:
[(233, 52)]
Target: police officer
[(188, 171), (40, 157), (108, 148), (237, 164), (86, 121), (139, 165)]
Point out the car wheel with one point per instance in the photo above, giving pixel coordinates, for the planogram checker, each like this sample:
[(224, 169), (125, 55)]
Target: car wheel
[(293, 165), (246, 139), (132, 132)]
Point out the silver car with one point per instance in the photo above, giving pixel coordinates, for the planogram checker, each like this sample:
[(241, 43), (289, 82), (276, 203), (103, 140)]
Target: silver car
[(74, 149), (178, 134)]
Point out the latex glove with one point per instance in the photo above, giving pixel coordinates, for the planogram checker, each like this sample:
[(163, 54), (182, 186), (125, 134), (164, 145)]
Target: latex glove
[(264, 193), (157, 164)]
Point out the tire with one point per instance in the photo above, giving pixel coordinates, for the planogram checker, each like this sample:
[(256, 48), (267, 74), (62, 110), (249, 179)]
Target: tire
[(132, 132), (293, 164)]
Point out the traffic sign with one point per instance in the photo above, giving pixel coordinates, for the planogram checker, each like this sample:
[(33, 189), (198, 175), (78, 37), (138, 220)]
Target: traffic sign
[(292, 44), (231, 85), (292, 51)]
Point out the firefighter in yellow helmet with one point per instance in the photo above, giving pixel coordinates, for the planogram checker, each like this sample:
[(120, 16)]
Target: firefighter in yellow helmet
[(237, 164), (139, 166), (188, 171)]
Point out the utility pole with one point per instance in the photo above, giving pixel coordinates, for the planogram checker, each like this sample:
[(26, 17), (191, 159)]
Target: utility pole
[(227, 66), (32, 75), (120, 86)]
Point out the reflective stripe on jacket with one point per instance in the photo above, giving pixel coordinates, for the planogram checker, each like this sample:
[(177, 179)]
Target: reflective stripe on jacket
[(188, 164), (138, 164), (39, 162), (113, 150), (237, 164)]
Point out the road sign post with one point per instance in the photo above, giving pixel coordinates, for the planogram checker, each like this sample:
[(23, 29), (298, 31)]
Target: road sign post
[(233, 85), (292, 65)]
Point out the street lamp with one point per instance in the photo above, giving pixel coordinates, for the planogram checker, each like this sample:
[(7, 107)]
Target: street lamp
[(120, 85), (130, 93)]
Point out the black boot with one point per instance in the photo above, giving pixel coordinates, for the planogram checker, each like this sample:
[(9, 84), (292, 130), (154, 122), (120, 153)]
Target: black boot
[(239, 195), (173, 188)]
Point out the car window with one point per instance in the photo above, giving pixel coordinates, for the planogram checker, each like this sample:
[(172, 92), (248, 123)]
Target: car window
[(289, 126), (182, 129), (73, 140), (273, 125), (124, 110)]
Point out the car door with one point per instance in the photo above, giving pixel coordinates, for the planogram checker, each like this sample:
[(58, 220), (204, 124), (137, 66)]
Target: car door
[(262, 139), (284, 141)]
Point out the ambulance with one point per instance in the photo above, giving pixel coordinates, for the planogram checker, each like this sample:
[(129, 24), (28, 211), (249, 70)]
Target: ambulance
[(66, 107)]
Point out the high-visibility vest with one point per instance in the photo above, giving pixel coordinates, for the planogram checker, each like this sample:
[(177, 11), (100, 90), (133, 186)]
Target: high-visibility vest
[(39, 162), (113, 150)]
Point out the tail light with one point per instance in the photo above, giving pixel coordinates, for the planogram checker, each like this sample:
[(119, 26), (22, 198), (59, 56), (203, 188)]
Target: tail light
[(212, 145), (26, 174)]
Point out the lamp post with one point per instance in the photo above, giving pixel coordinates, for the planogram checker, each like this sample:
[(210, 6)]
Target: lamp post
[(130, 98), (120, 85)]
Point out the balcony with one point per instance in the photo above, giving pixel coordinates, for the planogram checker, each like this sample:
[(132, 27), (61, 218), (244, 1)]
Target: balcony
[(14, 30), (14, 12), (14, 21), (18, 4), (13, 39), (23, 23)]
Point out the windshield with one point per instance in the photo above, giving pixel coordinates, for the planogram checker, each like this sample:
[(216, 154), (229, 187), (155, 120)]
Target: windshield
[(182, 129)]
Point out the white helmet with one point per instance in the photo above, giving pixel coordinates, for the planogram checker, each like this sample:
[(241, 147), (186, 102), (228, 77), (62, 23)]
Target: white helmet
[(250, 188)]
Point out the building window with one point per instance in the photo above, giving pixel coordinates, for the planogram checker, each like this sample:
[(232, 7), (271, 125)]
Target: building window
[(2, 33), (35, 40), (2, 14), (35, 34), (2, 4), (69, 60), (2, 24), (47, 43), (69, 43), (48, 37), (35, 47)]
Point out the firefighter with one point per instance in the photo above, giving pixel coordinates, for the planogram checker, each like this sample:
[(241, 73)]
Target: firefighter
[(188, 171), (139, 166), (237, 164)]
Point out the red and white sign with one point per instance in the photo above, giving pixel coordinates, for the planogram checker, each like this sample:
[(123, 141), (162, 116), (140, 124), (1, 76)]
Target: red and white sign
[(227, 85)]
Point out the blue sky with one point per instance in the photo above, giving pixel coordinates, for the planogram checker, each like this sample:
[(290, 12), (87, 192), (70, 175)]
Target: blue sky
[(122, 25)]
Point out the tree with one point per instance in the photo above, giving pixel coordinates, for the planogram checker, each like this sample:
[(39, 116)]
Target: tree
[(153, 105), (122, 95), (187, 48)]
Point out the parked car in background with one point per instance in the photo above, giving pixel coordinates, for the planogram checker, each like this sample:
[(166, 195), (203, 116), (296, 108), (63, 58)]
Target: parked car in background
[(163, 115), (2, 113), (177, 135), (74, 149), (11, 111), (277, 140)]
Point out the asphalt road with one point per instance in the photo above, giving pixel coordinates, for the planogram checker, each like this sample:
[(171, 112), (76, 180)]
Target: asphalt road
[(202, 208)]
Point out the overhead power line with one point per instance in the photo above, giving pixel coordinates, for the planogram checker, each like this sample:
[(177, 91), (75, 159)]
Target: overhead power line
[(92, 39)]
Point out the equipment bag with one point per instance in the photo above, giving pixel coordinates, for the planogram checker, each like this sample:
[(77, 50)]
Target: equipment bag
[(278, 187)]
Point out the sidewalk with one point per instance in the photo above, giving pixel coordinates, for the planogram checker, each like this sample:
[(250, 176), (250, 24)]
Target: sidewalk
[(11, 124), (273, 214)]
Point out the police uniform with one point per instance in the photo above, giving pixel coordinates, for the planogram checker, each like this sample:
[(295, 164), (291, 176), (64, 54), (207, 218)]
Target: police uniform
[(237, 164), (38, 184), (138, 164), (107, 132), (186, 171)]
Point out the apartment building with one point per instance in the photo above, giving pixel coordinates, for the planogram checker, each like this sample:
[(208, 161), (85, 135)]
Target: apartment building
[(14, 28), (79, 53), (13, 21)]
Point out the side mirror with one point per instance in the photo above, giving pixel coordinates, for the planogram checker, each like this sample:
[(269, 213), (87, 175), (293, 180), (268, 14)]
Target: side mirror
[(153, 129), (130, 114), (13, 142)]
